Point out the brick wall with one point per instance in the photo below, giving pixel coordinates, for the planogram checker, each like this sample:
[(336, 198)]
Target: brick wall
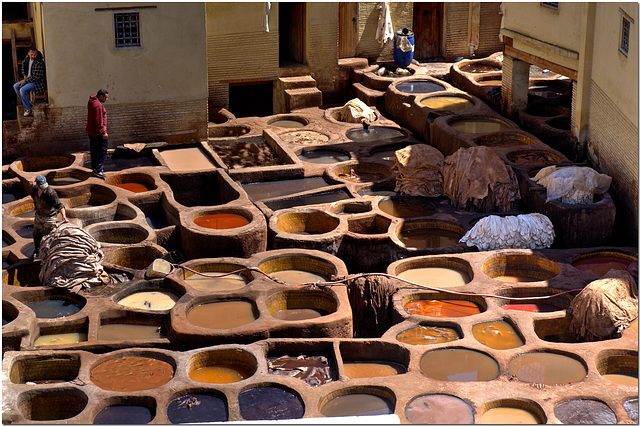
[(489, 29), (59, 130), (613, 149), (248, 56), (323, 44), (368, 46)]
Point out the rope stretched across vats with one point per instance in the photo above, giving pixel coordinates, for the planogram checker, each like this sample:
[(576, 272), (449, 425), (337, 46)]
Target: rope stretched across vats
[(342, 281)]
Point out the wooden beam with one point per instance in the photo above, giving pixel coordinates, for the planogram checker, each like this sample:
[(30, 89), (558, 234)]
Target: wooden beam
[(541, 62), (14, 55), (102, 9)]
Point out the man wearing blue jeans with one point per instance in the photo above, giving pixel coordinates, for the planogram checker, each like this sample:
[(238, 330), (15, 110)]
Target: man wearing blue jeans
[(97, 131), (34, 79)]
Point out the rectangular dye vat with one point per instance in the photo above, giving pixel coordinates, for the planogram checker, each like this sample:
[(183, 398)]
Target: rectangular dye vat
[(307, 200), (265, 190), (187, 159), (206, 188)]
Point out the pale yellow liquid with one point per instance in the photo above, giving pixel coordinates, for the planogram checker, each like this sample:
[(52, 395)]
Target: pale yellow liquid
[(186, 159), (435, 277), (223, 283), (60, 339), (294, 276), (507, 415), (622, 379), (449, 103), (150, 300), (111, 332)]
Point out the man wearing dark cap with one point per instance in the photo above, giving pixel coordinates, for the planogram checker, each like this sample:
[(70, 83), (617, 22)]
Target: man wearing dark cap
[(97, 130), (47, 205)]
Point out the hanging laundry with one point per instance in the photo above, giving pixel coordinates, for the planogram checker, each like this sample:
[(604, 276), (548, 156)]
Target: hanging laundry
[(384, 32)]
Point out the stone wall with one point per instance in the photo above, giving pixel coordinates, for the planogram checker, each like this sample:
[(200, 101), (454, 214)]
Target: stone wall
[(368, 46), (322, 44)]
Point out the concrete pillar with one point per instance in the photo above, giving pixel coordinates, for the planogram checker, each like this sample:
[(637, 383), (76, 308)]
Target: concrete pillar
[(515, 86)]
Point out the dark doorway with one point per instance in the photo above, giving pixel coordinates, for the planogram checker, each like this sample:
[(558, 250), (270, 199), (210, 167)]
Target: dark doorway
[(427, 29), (9, 98), (291, 19), (251, 100)]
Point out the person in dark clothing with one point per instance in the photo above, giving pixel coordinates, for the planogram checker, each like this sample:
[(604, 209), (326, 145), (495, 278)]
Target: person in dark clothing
[(97, 131), (47, 205), (34, 79)]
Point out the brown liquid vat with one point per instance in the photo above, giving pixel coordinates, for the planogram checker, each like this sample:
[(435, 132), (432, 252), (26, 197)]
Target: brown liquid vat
[(618, 362), (53, 369), (367, 172), (526, 406), (454, 264), (132, 370), (419, 236), (379, 392), (373, 351), (133, 259), (302, 299), (557, 330), (312, 261), (520, 265), (216, 282), (120, 233), (39, 164), (90, 203), (52, 404), (350, 207), (548, 368), (67, 177), (238, 360)]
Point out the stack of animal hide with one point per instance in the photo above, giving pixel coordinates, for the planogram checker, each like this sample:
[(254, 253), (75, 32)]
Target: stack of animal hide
[(572, 185), (419, 171), (356, 111), (476, 179), (525, 231)]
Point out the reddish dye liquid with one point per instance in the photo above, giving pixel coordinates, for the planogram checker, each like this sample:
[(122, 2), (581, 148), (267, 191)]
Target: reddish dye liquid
[(134, 187), (601, 264), (442, 308), (221, 221), (131, 373), (532, 307)]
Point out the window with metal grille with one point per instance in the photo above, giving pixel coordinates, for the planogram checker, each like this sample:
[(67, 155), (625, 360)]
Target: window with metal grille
[(127, 29), (550, 4), (624, 36)]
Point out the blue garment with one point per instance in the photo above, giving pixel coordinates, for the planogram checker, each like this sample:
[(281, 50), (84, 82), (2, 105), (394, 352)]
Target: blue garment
[(23, 93)]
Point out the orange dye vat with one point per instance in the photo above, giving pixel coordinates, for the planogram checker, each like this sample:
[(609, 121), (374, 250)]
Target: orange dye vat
[(221, 221), (134, 187), (220, 374), (442, 308)]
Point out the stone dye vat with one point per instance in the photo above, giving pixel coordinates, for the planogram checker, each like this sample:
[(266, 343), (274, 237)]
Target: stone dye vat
[(218, 276), (366, 401), (520, 268), (547, 368), (270, 403), (197, 408), (186, 159), (601, 262), (431, 236), (427, 335), (406, 207), (459, 365), (497, 335), (439, 409), (131, 373), (288, 122), (376, 134), (267, 190), (323, 156), (221, 366), (438, 272), (451, 132), (306, 228), (222, 315)]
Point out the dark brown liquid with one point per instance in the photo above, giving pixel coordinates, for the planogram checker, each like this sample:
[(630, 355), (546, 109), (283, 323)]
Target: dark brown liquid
[(459, 365), (131, 373), (428, 237), (221, 315)]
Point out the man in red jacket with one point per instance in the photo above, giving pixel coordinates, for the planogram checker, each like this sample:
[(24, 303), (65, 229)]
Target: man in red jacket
[(97, 130)]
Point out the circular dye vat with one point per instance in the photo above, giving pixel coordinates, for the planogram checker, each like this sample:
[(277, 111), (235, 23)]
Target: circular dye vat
[(547, 368), (439, 409), (221, 221), (478, 125), (149, 300), (442, 308), (478, 68), (360, 370), (435, 277), (60, 339), (406, 207), (623, 379), (419, 86), (134, 187), (64, 180), (269, 403), (157, 221), (289, 124), (427, 335), (220, 373), (532, 307), (116, 332), (197, 408), (357, 404), (299, 314), (221, 315), (509, 416), (314, 370), (459, 365), (447, 103), (216, 281), (516, 279), (374, 134), (131, 374), (491, 82), (497, 335), (584, 412), (53, 308), (124, 414), (428, 237), (601, 264), (323, 156), (631, 407), (25, 231), (533, 158), (296, 276)]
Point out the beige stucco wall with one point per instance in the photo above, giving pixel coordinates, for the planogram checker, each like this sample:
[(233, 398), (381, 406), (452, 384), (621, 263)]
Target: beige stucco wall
[(401, 17), (239, 48), (169, 65), (561, 27), (322, 43)]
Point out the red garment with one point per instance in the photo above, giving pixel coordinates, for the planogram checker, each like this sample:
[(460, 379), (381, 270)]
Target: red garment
[(96, 117)]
